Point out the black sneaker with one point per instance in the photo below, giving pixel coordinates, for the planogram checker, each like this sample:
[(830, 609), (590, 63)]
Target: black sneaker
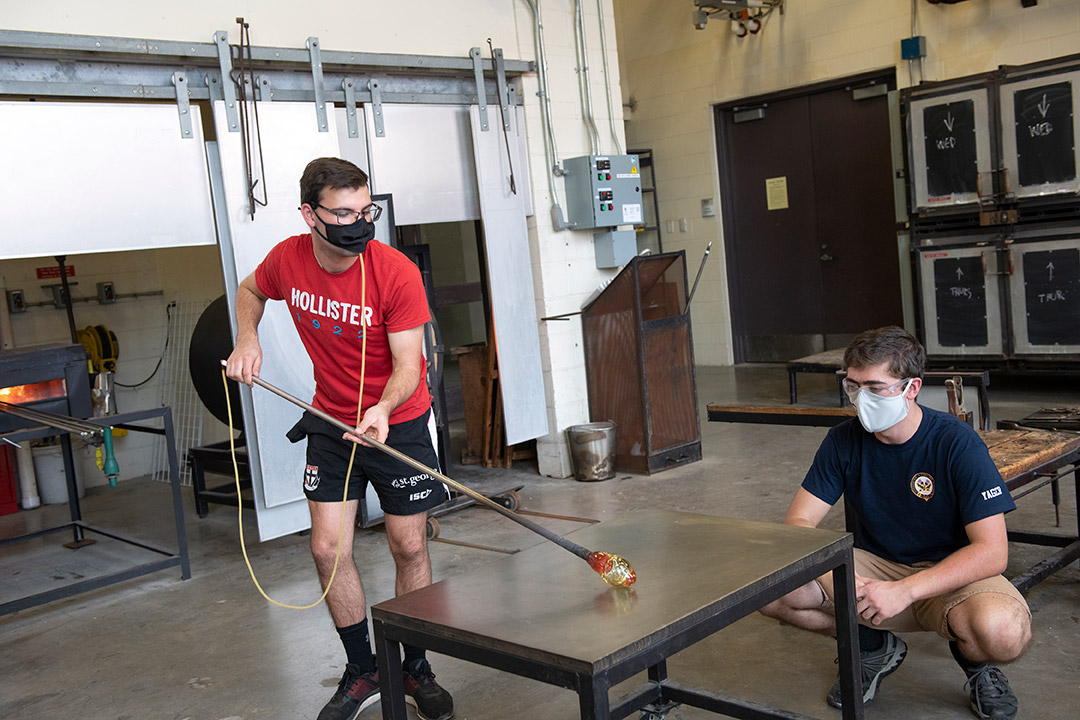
[(991, 696), (432, 702), (876, 664), (355, 692)]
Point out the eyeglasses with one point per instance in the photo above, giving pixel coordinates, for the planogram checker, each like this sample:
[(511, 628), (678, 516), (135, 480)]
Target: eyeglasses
[(347, 217), (852, 388)]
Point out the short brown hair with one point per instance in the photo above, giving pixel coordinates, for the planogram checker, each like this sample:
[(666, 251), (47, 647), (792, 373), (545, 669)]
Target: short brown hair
[(895, 347), (328, 172)]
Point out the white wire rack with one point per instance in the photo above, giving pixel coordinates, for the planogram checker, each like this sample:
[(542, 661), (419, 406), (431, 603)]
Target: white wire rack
[(178, 392)]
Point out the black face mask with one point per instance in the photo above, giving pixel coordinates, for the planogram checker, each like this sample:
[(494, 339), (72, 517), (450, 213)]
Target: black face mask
[(353, 238)]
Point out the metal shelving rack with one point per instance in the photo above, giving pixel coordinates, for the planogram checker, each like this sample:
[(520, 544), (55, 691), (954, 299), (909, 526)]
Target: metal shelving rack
[(645, 160)]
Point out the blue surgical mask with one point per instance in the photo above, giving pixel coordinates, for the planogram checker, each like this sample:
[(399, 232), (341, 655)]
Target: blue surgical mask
[(877, 413)]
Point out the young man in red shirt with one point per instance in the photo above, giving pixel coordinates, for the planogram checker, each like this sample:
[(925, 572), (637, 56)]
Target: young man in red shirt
[(360, 309)]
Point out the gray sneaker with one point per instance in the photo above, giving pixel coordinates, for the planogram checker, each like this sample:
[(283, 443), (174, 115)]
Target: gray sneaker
[(991, 696), (876, 664)]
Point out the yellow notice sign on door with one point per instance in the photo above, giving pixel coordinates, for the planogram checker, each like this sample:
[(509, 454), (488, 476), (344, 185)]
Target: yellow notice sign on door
[(776, 193)]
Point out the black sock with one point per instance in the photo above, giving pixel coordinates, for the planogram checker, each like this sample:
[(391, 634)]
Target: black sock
[(871, 639), (358, 646), (970, 667), (411, 654)]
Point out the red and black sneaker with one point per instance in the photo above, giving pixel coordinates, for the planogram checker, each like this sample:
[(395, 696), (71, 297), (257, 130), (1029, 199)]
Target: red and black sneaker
[(432, 701), (355, 692)]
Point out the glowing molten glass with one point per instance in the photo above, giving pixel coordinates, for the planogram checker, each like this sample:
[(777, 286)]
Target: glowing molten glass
[(613, 568)]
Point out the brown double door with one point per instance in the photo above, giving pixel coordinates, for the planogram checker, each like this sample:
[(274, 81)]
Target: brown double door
[(807, 277)]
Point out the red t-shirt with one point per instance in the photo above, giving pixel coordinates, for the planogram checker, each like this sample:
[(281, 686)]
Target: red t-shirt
[(326, 310)]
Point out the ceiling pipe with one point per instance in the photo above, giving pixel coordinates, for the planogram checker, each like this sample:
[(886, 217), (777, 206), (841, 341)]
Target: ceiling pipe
[(607, 78), (583, 80), (551, 151)]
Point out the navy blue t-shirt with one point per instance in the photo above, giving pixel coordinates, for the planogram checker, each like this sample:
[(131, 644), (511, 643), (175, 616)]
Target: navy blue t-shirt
[(913, 499)]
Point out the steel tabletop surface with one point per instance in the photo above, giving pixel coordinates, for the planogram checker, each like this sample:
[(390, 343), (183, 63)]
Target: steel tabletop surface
[(549, 606)]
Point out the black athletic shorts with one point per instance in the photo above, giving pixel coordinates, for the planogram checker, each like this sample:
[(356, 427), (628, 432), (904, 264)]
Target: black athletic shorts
[(402, 489)]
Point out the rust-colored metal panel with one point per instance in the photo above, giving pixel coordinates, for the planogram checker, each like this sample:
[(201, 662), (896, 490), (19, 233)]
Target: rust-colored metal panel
[(669, 376), (640, 364), (662, 285), (613, 366)]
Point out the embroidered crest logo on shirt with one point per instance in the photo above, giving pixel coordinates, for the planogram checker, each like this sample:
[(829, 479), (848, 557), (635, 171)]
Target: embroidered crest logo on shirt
[(311, 477), (922, 485)]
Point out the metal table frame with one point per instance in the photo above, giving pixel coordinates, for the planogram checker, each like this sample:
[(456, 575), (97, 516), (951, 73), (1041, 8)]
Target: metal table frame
[(1048, 473), (592, 685), (79, 528)]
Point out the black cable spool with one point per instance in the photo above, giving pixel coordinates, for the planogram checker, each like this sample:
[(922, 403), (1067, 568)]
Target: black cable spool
[(211, 342)]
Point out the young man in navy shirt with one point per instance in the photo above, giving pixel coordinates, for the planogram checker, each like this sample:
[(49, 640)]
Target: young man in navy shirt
[(930, 543)]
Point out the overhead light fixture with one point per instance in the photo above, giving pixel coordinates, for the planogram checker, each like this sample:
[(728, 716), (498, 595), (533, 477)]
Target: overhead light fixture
[(738, 28), (756, 10)]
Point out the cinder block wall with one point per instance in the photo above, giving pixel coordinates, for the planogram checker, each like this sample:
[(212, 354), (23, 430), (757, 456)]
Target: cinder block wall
[(673, 74), (188, 274)]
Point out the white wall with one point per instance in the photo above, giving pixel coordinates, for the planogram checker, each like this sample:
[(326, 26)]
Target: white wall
[(674, 74), (180, 274), (429, 27), (563, 263)]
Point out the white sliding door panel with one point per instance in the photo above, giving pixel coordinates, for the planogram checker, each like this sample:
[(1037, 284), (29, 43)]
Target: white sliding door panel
[(520, 143), (353, 149), (513, 301), (290, 139), (425, 160), (100, 177)]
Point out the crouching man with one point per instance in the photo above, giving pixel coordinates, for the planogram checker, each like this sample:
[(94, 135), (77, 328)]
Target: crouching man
[(931, 542)]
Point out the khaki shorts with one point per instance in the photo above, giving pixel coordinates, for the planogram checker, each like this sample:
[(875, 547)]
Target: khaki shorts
[(932, 614)]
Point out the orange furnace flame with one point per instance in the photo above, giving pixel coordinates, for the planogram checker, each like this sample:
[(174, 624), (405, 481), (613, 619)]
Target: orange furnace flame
[(46, 390)]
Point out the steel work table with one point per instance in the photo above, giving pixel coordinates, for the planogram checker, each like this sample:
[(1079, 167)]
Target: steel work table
[(544, 614), (79, 528), (1037, 458), (828, 362)]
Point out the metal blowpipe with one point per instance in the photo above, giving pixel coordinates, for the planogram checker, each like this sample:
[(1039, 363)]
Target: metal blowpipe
[(614, 569)]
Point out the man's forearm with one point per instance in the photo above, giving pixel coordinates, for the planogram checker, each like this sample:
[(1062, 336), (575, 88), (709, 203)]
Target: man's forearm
[(400, 386), (249, 311), (963, 567)]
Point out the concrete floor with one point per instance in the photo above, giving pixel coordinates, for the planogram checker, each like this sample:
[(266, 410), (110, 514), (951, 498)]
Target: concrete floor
[(211, 648)]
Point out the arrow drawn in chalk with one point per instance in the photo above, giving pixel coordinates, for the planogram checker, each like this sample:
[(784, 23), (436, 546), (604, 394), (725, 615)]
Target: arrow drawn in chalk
[(959, 273), (1044, 106), (949, 121), (1050, 267)]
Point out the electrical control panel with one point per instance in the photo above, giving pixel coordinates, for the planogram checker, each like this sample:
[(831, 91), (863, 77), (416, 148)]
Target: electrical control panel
[(106, 292), (16, 301), (603, 191)]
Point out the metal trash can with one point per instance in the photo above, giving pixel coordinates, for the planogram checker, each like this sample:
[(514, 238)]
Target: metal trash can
[(592, 450)]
